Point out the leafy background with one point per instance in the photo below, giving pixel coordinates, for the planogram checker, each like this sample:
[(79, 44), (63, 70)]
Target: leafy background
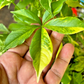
[(75, 71)]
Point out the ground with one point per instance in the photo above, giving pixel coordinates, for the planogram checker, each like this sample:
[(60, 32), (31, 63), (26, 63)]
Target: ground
[(6, 16)]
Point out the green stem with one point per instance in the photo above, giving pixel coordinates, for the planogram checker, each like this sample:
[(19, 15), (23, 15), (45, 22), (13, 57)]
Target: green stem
[(16, 6)]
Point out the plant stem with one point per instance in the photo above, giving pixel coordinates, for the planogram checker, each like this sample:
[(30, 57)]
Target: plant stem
[(15, 5)]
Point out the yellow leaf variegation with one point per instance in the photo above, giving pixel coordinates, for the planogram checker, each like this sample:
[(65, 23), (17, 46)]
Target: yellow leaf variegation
[(5, 3), (41, 50), (65, 25)]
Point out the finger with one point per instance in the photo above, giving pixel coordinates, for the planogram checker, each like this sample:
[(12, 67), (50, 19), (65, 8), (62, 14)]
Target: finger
[(23, 48), (3, 76), (56, 72), (28, 57), (20, 50), (56, 39)]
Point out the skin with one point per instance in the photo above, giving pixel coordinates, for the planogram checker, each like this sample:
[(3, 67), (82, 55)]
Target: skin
[(16, 65)]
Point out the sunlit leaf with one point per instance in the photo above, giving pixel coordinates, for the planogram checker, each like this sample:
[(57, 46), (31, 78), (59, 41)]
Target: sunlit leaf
[(57, 6), (65, 25), (27, 14), (41, 50), (5, 2), (16, 26), (77, 3), (18, 37)]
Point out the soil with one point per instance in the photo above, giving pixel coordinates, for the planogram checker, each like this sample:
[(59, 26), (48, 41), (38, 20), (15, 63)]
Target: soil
[(5, 15)]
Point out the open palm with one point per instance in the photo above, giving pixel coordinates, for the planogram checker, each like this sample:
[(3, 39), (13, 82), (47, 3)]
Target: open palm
[(16, 65)]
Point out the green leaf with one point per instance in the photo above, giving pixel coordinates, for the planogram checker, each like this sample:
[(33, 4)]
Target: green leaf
[(78, 51), (2, 40), (80, 37), (34, 10), (18, 37), (22, 4), (73, 81), (1, 46), (79, 62), (47, 16), (82, 81), (80, 58), (66, 78), (16, 26), (70, 39), (41, 50), (77, 78), (1, 43), (22, 20), (3, 29), (57, 6), (27, 14), (71, 3), (65, 25), (5, 2), (46, 4), (66, 10), (3, 36)]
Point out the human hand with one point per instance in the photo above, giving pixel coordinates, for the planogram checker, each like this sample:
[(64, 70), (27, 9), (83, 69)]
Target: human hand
[(16, 64)]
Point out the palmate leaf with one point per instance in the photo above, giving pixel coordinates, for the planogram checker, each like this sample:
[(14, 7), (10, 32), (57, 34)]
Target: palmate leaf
[(47, 16), (65, 25), (27, 14), (18, 37), (41, 50), (56, 7)]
